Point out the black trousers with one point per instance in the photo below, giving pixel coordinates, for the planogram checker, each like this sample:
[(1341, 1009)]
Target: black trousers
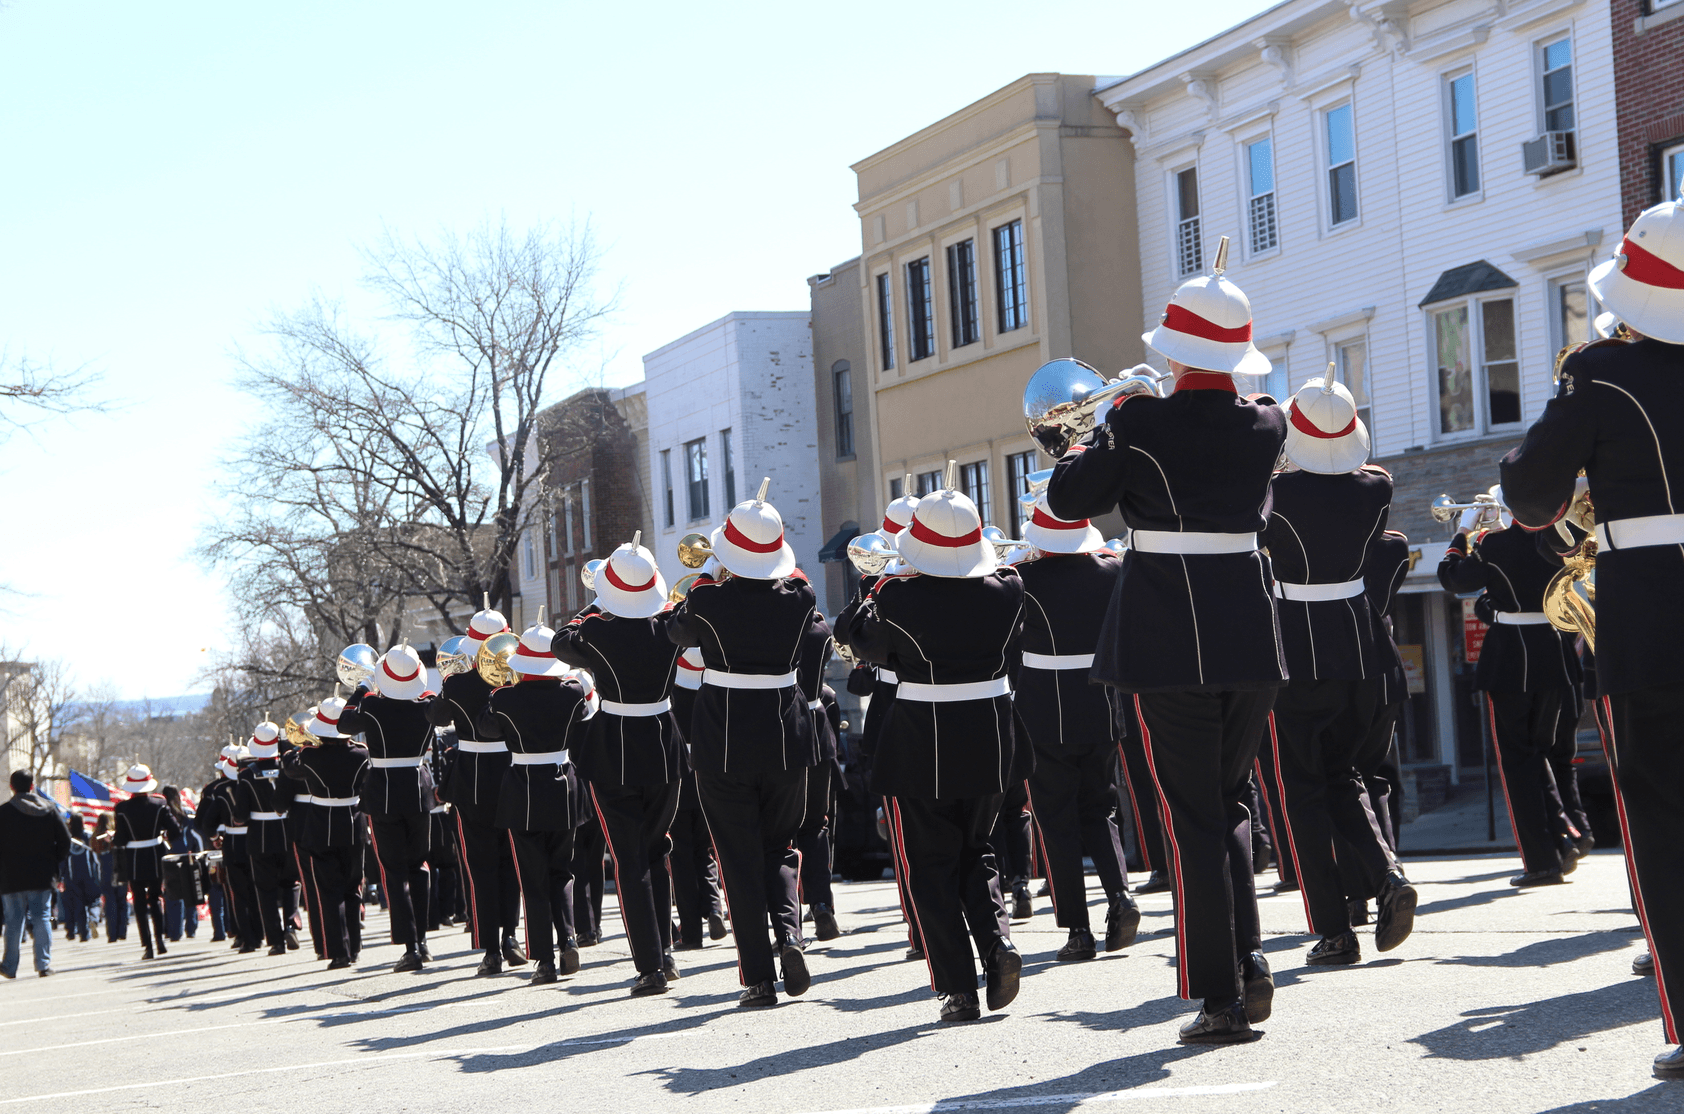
[(1073, 799), (301, 863), (1316, 732), (812, 839), (589, 876), (695, 877), (116, 911), (335, 880), (401, 843), (1143, 800), (544, 860), (443, 898), (954, 883), (1201, 746), (1572, 821), (1013, 849), (1269, 789), (753, 818), (634, 821), (488, 868), (897, 856), (1524, 724), (271, 874), (241, 892), (149, 910), (1648, 766)]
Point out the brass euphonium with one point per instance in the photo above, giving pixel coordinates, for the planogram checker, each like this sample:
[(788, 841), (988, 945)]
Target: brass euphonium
[(694, 550), (493, 664), (1570, 596), (456, 655), (871, 553), (590, 571), (356, 664), (680, 589), (1061, 401)]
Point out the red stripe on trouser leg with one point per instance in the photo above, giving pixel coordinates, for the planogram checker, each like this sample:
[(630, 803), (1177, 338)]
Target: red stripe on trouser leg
[(724, 893), (900, 834), (1508, 802), (1270, 823), (526, 921), (1636, 890), (619, 884), (914, 936), (1605, 732), (1041, 842), (473, 894), (380, 864), (1182, 980), (1140, 840), (1291, 841)]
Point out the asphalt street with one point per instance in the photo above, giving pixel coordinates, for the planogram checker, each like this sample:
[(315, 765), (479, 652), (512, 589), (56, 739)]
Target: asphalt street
[(1502, 1001)]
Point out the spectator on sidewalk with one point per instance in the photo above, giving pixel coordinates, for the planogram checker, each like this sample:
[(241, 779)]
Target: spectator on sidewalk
[(83, 882), (33, 841)]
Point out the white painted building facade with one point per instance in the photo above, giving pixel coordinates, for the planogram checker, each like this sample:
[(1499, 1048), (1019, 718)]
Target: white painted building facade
[(728, 405), (1370, 162)]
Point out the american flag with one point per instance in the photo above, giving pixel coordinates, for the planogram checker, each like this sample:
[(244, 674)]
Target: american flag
[(91, 798)]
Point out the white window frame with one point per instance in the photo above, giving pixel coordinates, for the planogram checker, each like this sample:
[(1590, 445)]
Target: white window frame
[(1018, 483), (1538, 46), (567, 523), (585, 512), (932, 332), (1176, 221), (1657, 5), (1672, 169), (1252, 252), (883, 317), (1325, 168), (1482, 426), (985, 506), (1447, 96), (529, 555), (1336, 345)]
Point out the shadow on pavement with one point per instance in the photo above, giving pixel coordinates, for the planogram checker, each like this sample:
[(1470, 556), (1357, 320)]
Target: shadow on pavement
[(694, 1081), (1500, 1032), (1662, 1096), (1541, 953), (563, 1049), (1112, 1075), (1466, 901)]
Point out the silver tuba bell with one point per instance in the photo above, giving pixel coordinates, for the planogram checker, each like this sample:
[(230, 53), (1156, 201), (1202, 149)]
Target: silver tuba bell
[(356, 664), (1002, 543), (589, 571), (871, 553), (456, 655), (1062, 398)]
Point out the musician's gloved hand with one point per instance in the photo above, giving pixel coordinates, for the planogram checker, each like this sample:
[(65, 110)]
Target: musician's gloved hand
[(1470, 520)]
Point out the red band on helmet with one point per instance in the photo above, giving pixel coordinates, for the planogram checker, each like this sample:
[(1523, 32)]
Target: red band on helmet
[(1046, 520), (386, 669), (1183, 320), (890, 526), (331, 722), (1309, 429), (924, 534), (608, 571), (741, 540), (1648, 268)]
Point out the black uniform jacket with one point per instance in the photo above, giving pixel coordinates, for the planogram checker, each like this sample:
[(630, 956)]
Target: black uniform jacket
[(1065, 596), (748, 626), (1321, 529), (1382, 576), (476, 776), (1199, 460), (816, 649), (538, 716), (264, 788), (331, 770), (393, 730), (1506, 563), (137, 820), (882, 692), (686, 682), (217, 812), (945, 630), (633, 662), (1618, 414)]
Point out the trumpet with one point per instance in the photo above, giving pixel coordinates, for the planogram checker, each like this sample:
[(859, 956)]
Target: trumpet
[(1061, 401), (694, 550), (871, 553), (1444, 508), (590, 571)]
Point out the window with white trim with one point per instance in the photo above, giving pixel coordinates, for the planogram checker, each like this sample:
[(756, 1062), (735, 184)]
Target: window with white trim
[(1462, 120), (666, 481), (1018, 467), (927, 482), (1672, 173), (1010, 280), (1569, 312), (1260, 210), (897, 489), (1189, 235), (886, 320), (726, 455), (1478, 365), (696, 477), (1556, 62), (529, 554), (961, 293), (1339, 128), (920, 317), (1350, 363), (973, 481), (842, 392)]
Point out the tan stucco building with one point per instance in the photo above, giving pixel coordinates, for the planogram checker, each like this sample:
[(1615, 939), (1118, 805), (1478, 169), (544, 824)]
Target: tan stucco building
[(992, 241)]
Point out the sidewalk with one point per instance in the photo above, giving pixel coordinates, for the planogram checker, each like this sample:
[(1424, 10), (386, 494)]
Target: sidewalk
[(1458, 827)]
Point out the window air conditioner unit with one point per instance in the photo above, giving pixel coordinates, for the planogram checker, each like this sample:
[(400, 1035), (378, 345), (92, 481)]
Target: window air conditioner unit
[(1549, 153)]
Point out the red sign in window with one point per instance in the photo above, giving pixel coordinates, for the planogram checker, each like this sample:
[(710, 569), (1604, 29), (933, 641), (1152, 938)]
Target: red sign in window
[(1473, 633)]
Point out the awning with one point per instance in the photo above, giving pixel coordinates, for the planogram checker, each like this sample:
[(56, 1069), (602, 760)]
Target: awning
[(836, 549), (1473, 278)]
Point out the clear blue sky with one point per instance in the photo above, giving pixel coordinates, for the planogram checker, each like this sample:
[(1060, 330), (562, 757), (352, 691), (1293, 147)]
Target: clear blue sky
[(174, 171)]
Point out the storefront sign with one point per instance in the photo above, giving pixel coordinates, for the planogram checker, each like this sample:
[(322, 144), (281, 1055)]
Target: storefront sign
[(1414, 667), (1473, 633)]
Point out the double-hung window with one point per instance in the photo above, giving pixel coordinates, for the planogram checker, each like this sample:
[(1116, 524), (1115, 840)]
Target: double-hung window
[(585, 512), (1189, 237), (1570, 303), (886, 319), (1018, 467), (1351, 364), (567, 523), (1556, 59), (973, 481), (1463, 122), (1478, 365), (1009, 279), (920, 318), (727, 458), (696, 476), (529, 554), (927, 482), (666, 482), (1340, 127), (842, 391), (1260, 212), (897, 489), (1672, 173), (961, 293)]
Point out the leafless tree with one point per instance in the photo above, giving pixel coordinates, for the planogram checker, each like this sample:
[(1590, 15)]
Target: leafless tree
[(32, 389), (37, 697)]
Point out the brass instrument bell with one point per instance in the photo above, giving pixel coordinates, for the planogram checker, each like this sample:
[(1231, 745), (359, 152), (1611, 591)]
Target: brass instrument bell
[(294, 729), (998, 538), (356, 664), (456, 655), (680, 589), (1062, 399), (493, 660), (590, 571), (694, 550), (1570, 596), (1444, 508), (871, 553)]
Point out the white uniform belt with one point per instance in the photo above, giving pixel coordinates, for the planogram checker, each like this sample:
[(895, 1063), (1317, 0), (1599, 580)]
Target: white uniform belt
[(337, 802), (814, 705), (687, 679), (302, 799), (473, 746), (1523, 618), (1192, 541), (1634, 533), (548, 758), (1317, 593), (1057, 661), (887, 676), (395, 763), (268, 816), (619, 709), (726, 680), (239, 831), (153, 842), (964, 690)]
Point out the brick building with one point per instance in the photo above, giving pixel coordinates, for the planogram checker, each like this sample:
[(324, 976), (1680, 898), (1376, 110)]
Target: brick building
[(1649, 92)]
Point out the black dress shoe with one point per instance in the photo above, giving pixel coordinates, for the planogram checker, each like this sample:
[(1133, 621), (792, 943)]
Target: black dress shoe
[(411, 961), (1261, 856), (716, 927), (1078, 946), (1286, 886), (959, 1007), (1224, 1026), (796, 978), (687, 946), (217, 939), (757, 997), (1156, 883), (1569, 854), (147, 954), (543, 973), (1670, 1064), (824, 923), (914, 953), (1585, 844), (245, 949), (1258, 985), (1023, 907), (1357, 910), (589, 939), (1395, 919), (1122, 923), (278, 949), (1537, 878), (669, 967), (652, 983), (1005, 972), (569, 964), (421, 949), (165, 951), (512, 955), (1046, 888), (1643, 965), (290, 939), (339, 964), (44, 972), (492, 964), (1335, 951)]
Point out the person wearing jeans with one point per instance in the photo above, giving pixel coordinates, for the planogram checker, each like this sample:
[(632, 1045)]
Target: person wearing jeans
[(33, 841)]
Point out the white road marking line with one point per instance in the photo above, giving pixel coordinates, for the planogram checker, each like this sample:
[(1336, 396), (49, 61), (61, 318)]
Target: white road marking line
[(64, 1016), (1078, 1100)]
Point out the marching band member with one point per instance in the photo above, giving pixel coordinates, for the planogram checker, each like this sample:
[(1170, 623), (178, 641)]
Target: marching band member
[(1327, 509), (695, 872), (334, 831), (949, 629), (751, 736), (143, 824), (811, 847), (1618, 415), (538, 717), (1191, 638), (631, 756), (216, 822), (476, 781), (1072, 724), (296, 734), (261, 799)]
